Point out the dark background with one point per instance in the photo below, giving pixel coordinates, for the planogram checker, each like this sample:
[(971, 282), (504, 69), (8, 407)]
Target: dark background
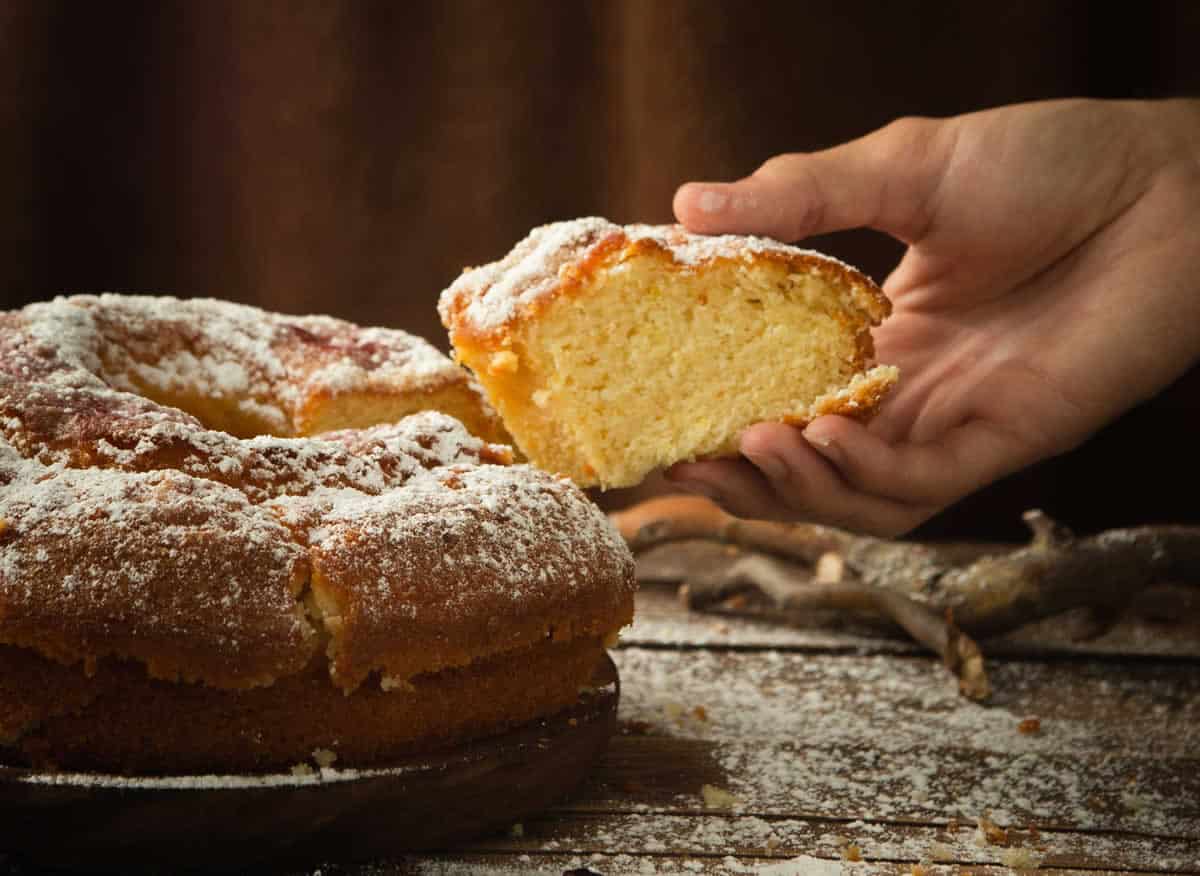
[(351, 157)]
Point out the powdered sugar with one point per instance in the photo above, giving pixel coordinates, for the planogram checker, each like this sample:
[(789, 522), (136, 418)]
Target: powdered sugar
[(495, 293), (862, 730), (292, 779), (690, 249), (159, 565), (441, 506), (486, 298), (267, 363), (432, 549), (174, 539)]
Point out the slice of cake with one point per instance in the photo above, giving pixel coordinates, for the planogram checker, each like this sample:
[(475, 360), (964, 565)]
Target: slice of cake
[(610, 351)]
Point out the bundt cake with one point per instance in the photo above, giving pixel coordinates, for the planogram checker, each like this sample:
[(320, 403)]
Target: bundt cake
[(610, 351), (174, 598)]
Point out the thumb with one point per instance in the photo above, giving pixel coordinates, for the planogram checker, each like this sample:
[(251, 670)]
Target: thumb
[(886, 180)]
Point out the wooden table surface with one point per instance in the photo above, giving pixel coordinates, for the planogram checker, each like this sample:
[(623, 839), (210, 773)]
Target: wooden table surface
[(748, 747), (817, 748)]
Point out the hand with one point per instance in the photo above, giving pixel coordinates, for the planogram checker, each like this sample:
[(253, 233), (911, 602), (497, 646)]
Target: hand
[(1051, 281)]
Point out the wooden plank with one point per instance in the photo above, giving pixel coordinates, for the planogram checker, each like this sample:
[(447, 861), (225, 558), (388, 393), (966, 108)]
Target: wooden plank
[(1164, 622), (617, 864), (662, 620), (921, 787), (460, 863), (880, 737), (878, 750), (710, 835)]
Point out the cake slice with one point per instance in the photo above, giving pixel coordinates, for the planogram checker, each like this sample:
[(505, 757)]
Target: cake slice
[(610, 351)]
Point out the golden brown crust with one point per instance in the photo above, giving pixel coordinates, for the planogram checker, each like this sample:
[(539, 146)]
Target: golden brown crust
[(34, 689), (391, 588), (859, 400), (130, 529), (182, 574), (557, 260), (124, 722)]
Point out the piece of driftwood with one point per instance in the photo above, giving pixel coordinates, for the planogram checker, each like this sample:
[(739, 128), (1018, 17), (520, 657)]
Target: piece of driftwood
[(939, 596)]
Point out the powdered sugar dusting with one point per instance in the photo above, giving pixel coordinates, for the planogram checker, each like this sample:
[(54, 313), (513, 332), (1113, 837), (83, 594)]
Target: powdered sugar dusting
[(92, 561), (128, 528), (298, 778), (264, 363), (861, 731), (336, 357), (486, 298), (501, 502), (495, 293), (428, 552), (688, 248)]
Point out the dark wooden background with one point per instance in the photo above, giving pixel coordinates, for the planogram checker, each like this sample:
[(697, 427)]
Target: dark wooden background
[(350, 157)]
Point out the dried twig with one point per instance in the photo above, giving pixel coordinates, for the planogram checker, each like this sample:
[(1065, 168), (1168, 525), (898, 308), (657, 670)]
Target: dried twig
[(778, 581), (938, 596)]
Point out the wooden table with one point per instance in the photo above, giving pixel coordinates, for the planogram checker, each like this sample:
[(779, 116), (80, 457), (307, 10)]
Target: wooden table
[(747, 747), (750, 748)]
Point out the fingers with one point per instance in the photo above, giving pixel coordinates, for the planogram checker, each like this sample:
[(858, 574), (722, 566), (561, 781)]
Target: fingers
[(923, 474), (783, 477), (887, 180), (838, 472)]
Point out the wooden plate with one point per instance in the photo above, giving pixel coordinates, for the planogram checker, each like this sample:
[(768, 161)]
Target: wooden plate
[(89, 821)]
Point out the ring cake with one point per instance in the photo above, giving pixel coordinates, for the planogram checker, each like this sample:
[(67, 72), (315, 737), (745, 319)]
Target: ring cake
[(174, 598), (610, 351)]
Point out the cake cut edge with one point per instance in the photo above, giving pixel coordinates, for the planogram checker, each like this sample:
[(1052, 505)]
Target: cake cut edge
[(494, 313)]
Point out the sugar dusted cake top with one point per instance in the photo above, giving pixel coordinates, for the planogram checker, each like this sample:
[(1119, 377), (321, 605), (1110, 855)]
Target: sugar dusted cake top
[(485, 299)]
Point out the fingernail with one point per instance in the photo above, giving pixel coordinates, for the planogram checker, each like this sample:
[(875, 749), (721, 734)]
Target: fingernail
[(823, 444), (711, 201), (771, 465)]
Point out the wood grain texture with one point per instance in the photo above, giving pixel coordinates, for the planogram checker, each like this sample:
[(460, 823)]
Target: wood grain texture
[(209, 822), (828, 742)]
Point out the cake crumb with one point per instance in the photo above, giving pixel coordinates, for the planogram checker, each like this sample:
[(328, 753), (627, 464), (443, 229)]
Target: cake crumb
[(1030, 726), (302, 769), (1135, 802), (674, 711), (504, 362), (830, 568), (988, 833), (324, 757), (1021, 859), (718, 798), (852, 852), (940, 852)]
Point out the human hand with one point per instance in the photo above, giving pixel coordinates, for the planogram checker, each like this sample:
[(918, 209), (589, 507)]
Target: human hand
[(1050, 283)]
